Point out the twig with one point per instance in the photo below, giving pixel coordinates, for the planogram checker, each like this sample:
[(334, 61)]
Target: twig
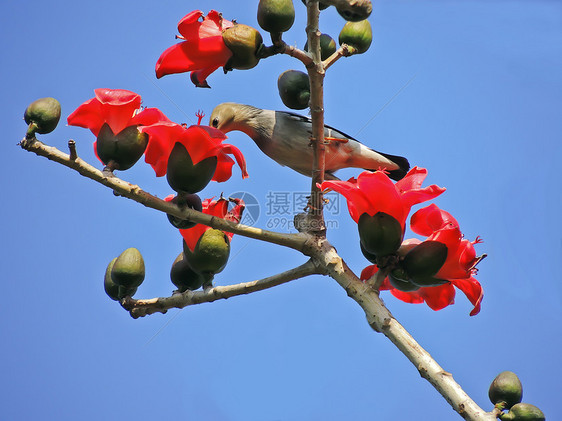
[(141, 308), (295, 241), (343, 51)]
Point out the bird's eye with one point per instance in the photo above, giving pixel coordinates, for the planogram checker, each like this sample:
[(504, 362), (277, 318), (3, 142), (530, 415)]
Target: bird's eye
[(215, 122)]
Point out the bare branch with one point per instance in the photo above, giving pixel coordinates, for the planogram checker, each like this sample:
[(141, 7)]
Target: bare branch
[(141, 308), (295, 241), (381, 320), (343, 51)]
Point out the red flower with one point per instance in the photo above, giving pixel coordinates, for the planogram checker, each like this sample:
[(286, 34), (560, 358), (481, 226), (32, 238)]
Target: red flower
[(374, 192), (441, 226), (437, 297), (200, 142), (118, 108), (203, 50), (216, 208)]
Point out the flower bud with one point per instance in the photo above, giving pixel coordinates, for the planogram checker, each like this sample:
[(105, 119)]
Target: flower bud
[(124, 148), (506, 389), (523, 412), (276, 16), (184, 176), (294, 89), (244, 42), (128, 270), (182, 200), (380, 234), (184, 277), (425, 260), (210, 254), (45, 113), (357, 35), (327, 46)]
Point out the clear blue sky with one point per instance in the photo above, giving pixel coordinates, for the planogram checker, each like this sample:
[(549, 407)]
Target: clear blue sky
[(482, 113)]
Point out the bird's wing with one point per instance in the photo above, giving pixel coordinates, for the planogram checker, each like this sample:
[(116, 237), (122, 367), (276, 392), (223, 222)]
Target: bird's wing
[(329, 131)]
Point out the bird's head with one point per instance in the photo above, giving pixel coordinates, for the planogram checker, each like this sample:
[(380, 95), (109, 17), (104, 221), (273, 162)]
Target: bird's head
[(223, 117)]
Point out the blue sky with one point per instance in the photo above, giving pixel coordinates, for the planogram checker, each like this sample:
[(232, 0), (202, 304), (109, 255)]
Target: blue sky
[(481, 111)]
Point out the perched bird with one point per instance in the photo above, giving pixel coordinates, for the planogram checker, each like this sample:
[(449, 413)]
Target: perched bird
[(286, 138)]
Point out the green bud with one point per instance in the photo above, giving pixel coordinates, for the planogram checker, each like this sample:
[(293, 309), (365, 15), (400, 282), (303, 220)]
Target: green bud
[(192, 201), (114, 291), (124, 148), (45, 113), (128, 270), (506, 389), (523, 412), (357, 35), (398, 278), (355, 11), (425, 260), (276, 16), (380, 234), (210, 254), (183, 176), (327, 46), (244, 42), (184, 277), (294, 89)]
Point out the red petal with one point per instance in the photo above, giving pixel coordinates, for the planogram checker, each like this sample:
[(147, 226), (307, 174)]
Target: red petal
[(408, 297), (149, 116), (189, 22), (357, 202), (162, 138), (212, 25), (225, 161), (473, 291), (382, 195), (87, 115), (438, 297), (368, 272), (186, 56), (431, 218), (118, 107), (413, 180)]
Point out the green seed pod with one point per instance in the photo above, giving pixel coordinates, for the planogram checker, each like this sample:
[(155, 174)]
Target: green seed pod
[(276, 16), (506, 389), (321, 5), (210, 254), (244, 42), (183, 176), (45, 113), (294, 89), (369, 256), (398, 278), (357, 35), (523, 412), (114, 291), (124, 148), (327, 46), (425, 260), (356, 10), (380, 234), (128, 269), (192, 201), (184, 277)]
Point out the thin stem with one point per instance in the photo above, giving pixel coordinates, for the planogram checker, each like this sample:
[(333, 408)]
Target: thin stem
[(134, 192), (343, 51), (141, 308)]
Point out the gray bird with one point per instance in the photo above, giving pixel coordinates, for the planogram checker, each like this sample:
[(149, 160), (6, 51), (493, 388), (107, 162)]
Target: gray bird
[(285, 138)]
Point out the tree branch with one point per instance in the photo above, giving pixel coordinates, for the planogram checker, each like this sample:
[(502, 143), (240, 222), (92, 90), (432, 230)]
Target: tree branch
[(381, 320), (141, 308), (343, 51), (295, 241)]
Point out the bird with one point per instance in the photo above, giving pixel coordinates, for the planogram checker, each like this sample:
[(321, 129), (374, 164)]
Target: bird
[(285, 137)]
